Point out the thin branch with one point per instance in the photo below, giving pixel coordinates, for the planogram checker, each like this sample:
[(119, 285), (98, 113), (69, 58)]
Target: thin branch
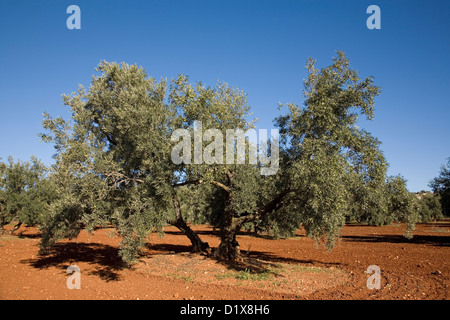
[(274, 205), (197, 181), (230, 176), (119, 178), (130, 179), (221, 185)]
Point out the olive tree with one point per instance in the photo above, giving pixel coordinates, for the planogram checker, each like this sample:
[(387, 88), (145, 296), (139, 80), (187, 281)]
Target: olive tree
[(25, 192), (441, 186), (429, 207)]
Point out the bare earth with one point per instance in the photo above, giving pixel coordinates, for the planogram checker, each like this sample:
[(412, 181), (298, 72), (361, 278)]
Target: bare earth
[(292, 268)]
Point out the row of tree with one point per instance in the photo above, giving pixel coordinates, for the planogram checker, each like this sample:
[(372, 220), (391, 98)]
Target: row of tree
[(113, 165)]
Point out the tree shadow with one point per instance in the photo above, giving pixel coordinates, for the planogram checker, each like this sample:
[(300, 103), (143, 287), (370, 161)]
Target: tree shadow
[(259, 262), (199, 232), (436, 224), (250, 265), (167, 248), (267, 256), (25, 232), (416, 239), (254, 262), (105, 258), (28, 236)]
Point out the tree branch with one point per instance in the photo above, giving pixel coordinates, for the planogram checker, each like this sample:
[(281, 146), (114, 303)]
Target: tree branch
[(273, 205), (230, 176), (197, 181), (221, 185), (119, 178)]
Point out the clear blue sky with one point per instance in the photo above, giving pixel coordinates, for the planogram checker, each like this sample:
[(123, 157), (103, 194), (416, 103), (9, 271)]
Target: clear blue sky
[(258, 46)]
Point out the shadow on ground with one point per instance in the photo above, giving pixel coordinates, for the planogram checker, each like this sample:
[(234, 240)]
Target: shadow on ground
[(105, 258), (416, 239), (251, 261)]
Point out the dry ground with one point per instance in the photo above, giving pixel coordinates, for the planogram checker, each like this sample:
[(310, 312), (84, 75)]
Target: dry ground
[(272, 269)]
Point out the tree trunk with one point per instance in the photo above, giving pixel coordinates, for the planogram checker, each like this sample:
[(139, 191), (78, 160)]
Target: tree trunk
[(198, 246), (228, 248), (17, 226)]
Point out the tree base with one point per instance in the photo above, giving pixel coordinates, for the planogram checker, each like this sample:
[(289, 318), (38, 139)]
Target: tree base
[(198, 246), (227, 252)]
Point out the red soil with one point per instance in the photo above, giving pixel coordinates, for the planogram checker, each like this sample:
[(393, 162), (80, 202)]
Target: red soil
[(292, 268)]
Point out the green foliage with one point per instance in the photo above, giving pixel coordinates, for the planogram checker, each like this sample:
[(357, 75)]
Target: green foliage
[(402, 205), (334, 168), (112, 158), (441, 185), (25, 192), (429, 207)]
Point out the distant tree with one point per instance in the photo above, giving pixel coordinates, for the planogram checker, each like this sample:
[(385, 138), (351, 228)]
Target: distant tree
[(441, 185), (429, 207), (402, 204), (25, 192)]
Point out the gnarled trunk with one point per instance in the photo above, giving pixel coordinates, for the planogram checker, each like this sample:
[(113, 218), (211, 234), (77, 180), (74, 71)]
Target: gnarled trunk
[(198, 246), (228, 248)]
